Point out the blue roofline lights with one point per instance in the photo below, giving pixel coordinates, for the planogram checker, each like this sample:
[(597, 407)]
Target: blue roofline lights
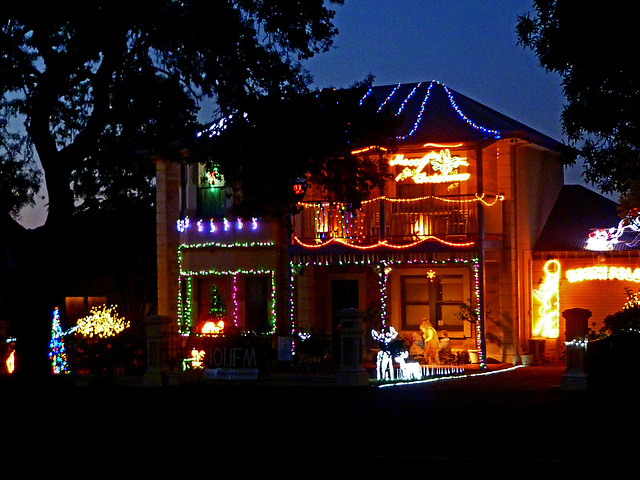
[(495, 133)]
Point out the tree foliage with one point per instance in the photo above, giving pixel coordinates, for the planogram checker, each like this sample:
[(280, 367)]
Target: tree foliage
[(310, 139), (101, 86), (95, 90), (589, 45)]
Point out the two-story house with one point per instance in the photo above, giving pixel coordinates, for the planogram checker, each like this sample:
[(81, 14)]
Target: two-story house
[(455, 226)]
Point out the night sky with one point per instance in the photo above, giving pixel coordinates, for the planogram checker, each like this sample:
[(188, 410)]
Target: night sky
[(469, 45)]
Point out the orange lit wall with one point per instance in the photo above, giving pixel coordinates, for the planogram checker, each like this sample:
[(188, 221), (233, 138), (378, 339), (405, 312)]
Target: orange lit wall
[(601, 297)]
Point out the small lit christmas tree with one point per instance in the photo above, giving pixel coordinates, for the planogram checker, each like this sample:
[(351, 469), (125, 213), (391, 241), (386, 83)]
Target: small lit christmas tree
[(214, 325), (217, 310), (57, 353)]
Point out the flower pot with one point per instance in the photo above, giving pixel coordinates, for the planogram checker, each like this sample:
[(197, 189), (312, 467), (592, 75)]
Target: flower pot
[(526, 360), (474, 356)]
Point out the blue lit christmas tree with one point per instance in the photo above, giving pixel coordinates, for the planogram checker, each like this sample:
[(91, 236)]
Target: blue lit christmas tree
[(57, 353)]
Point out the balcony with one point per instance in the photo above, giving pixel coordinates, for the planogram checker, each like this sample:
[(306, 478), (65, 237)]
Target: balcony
[(393, 221)]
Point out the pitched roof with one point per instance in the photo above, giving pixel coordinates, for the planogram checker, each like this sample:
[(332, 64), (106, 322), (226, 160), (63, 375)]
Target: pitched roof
[(576, 213), (433, 113)]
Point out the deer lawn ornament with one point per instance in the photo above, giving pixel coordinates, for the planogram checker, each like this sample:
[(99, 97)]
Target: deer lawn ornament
[(409, 370), (384, 360)]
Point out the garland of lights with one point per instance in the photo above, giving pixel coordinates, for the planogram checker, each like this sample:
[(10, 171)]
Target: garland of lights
[(381, 243), (185, 322), (476, 272), (475, 198), (404, 102), (494, 133), (389, 97), (420, 113), (452, 101)]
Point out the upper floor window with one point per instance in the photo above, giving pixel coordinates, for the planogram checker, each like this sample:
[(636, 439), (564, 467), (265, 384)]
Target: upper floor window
[(212, 195)]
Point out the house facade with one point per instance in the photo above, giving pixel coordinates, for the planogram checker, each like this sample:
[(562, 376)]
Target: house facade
[(448, 240), (586, 258)]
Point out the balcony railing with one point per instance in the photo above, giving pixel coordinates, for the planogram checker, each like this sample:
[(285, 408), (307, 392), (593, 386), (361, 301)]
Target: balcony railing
[(397, 221)]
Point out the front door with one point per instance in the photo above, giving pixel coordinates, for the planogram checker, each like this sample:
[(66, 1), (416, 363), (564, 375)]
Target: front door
[(344, 294)]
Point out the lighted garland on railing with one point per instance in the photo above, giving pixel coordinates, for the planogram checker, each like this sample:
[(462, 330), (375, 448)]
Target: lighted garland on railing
[(382, 243), (348, 217), (475, 198)]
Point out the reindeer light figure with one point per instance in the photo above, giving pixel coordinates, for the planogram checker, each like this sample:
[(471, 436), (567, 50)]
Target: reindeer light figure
[(408, 370), (384, 360)]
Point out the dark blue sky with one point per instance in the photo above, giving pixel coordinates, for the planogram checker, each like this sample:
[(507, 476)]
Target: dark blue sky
[(469, 45)]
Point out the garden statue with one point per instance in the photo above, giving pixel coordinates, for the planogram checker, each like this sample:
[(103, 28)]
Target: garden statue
[(416, 350), (431, 343), (445, 354)]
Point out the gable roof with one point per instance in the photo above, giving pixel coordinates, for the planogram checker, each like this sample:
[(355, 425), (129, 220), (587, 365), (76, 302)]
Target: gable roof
[(433, 113), (576, 213)]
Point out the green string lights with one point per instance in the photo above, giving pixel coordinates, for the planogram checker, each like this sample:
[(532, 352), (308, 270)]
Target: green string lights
[(185, 283)]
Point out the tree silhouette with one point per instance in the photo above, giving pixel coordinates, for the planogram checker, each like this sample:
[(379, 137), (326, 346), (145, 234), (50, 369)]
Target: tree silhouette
[(588, 45)]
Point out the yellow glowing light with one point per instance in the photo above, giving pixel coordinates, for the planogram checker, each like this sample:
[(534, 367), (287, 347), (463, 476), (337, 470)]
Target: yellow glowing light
[(548, 295), (102, 322), (197, 356), (602, 272), (442, 162), (11, 362), (213, 328)]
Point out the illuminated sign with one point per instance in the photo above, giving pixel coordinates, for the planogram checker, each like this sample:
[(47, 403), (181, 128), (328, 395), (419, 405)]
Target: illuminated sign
[(442, 162), (603, 273), (548, 295)]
